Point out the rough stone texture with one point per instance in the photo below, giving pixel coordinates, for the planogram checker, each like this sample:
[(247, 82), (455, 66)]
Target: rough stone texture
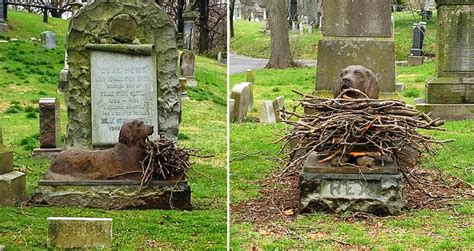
[(187, 63), (48, 39), (12, 188), (114, 194), (266, 114), (415, 60), (448, 111), (450, 91), (80, 233), (6, 161), (335, 54), (362, 18), (250, 76), (63, 79), (241, 96), (380, 194), (50, 125), (91, 26), (278, 104)]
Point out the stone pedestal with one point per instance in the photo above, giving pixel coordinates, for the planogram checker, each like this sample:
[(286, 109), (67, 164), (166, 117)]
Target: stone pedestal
[(377, 190), (79, 233), (356, 33), (415, 60), (114, 194), (50, 128), (183, 84), (450, 95), (12, 183)]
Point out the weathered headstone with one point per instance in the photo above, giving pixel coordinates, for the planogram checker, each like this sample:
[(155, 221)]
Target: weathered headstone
[(122, 67), (231, 108), (189, 18), (450, 95), (50, 127), (310, 9), (241, 96), (356, 33), (416, 52), (187, 66), (266, 113), (184, 88), (79, 233), (348, 189), (278, 104), (12, 183), (48, 39), (3, 24)]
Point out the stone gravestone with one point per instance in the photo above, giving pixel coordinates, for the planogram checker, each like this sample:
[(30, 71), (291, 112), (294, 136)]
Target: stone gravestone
[(416, 52), (278, 104), (310, 9), (187, 66), (79, 233), (183, 84), (356, 33), (123, 67), (50, 128), (48, 39), (450, 95), (241, 96), (3, 24), (12, 183), (266, 113), (250, 78)]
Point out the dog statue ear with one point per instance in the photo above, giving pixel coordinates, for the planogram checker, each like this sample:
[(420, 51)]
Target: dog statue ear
[(373, 87), (337, 87), (125, 135)]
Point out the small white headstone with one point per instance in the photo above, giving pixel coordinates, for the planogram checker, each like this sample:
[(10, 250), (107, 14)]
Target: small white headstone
[(241, 96), (48, 39), (278, 104), (266, 113)]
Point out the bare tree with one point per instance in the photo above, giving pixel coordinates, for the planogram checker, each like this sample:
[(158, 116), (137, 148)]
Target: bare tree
[(203, 26), (281, 57), (231, 17)]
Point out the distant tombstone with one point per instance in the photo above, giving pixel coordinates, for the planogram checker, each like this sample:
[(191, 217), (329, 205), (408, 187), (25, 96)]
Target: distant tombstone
[(311, 11), (310, 29), (123, 67), (187, 66), (266, 113), (418, 38), (189, 18), (79, 233), (12, 183), (302, 25), (250, 76), (241, 96), (278, 104), (50, 127), (356, 33), (450, 95), (48, 39), (3, 24), (184, 88)]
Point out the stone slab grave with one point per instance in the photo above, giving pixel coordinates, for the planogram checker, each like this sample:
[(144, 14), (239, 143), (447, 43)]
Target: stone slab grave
[(377, 190), (242, 96), (266, 114), (48, 40), (50, 128), (450, 95), (80, 233), (183, 85), (121, 68), (12, 183), (356, 33), (187, 62)]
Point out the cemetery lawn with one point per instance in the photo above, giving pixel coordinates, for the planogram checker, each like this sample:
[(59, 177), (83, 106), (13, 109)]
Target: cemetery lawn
[(249, 41), (252, 152), (28, 72)]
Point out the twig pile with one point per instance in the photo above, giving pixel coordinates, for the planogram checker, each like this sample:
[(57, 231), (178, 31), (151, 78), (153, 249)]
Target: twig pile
[(164, 161), (343, 129)]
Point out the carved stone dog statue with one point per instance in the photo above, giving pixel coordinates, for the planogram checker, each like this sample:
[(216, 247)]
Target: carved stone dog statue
[(360, 78), (120, 161)]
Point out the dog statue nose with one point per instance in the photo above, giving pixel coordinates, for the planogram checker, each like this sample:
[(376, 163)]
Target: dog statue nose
[(346, 83)]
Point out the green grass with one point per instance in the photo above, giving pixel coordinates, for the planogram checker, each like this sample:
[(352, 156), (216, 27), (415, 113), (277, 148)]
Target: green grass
[(250, 42), (28, 76), (251, 148)]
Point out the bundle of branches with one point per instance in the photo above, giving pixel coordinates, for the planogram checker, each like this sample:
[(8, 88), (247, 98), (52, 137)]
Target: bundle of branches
[(345, 128), (165, 160)]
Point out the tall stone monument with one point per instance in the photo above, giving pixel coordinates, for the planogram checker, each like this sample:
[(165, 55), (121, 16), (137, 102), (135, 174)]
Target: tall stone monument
[(357, 33), (187, 59), (122, 65), (450, 95)]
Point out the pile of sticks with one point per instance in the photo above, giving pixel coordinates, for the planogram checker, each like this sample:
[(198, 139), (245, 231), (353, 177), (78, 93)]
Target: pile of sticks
[(165, 160), (344, 128)]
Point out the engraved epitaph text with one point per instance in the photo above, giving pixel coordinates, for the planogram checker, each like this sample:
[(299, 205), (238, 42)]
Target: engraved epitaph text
[(123, 87), (359, 189)]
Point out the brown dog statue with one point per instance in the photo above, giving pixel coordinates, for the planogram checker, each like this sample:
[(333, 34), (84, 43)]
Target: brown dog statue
[(123, 160), (360, 78)]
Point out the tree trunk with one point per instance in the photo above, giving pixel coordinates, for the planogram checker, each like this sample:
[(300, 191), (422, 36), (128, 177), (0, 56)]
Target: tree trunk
[(231, 17), (280, 42), (203, 26), (179, 15)]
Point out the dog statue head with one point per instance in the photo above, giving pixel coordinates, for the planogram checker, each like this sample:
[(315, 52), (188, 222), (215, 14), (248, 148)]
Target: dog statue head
[(134, 132), (360, 78)]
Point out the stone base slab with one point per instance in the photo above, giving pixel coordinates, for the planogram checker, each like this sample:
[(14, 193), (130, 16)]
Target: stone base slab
[(79, 233), (450, 91), (335, 54), (191, 81), (415, 60), (114, 194), (379, 194), (50, 153), (12, 188), (448, 111), (6, 161)]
